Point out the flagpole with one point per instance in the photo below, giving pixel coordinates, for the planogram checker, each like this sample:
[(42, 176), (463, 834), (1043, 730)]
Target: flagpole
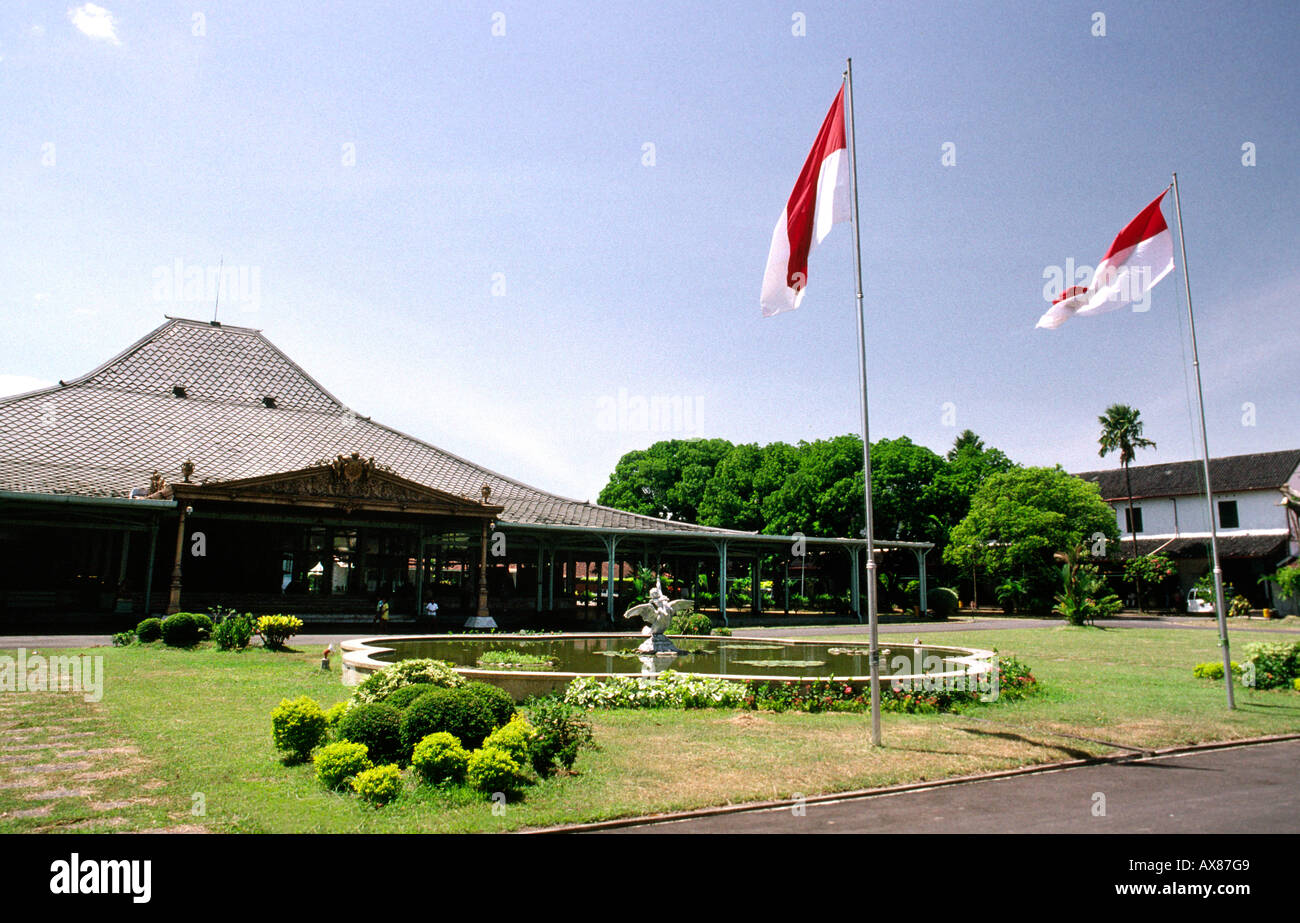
[(1205, 458), (874, 656)]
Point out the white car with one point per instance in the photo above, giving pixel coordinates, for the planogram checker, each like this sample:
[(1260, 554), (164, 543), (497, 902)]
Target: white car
[(1199, 602)]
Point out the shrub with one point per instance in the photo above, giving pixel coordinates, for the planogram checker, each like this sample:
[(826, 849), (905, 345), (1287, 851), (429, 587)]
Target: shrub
[(149, 630), (233, 632), (722, 630), (499, 702), (378, 686), (378, 726), (297, 726), (204, 624), (124, 639), (338, 762), (943, 602), (516, 737), (403, 697), (1240, 606), (440, 758), (667, 690), (692, 623), (378, 786), (562, 732), (275, 630), (334, 714), (1275, 663), (1214, 670), (468, 712), (181, 630), (491, 770)]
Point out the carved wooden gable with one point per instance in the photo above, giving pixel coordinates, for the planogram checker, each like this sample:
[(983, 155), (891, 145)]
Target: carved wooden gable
[(346, 482)]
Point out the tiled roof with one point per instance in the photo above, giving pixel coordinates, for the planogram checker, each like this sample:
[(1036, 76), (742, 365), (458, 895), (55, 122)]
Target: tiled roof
[(1260, 471), (106, 432)]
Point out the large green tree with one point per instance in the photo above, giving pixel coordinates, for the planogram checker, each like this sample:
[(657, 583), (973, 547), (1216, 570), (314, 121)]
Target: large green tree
[(667, 480), (1019, 518)]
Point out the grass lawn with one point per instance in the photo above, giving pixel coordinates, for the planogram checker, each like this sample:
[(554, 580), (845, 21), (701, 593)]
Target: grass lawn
[(181, 741)]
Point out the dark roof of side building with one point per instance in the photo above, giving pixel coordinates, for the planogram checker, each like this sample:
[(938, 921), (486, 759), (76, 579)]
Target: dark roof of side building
[(1259, 471), (106, 432)]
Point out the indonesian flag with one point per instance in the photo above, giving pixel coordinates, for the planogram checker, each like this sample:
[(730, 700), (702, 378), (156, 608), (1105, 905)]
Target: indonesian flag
[(1141, 256), (820, 199)]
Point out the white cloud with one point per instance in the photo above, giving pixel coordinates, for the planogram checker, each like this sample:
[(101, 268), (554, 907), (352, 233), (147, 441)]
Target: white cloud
[(95, 22)]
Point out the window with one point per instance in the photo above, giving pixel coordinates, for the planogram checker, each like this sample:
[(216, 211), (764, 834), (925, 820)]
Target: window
[(1133, 519), (1228, 514)]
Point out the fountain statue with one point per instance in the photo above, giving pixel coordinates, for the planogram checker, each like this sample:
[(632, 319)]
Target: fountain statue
[(658, 615)]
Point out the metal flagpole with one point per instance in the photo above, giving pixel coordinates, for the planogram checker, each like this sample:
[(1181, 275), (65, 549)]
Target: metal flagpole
[(874, 656), (1205, 452)]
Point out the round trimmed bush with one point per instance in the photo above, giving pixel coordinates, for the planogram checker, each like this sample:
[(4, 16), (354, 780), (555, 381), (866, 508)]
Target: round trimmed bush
[(468, 712), (378, 786), (204, 624), (440, 758), (149, 630), (297, 726), (378, 726), (497, 700), (942, 602), (516, 738), (491, 770), (379, 686), (338, 762), (181, 630), (403, 697)]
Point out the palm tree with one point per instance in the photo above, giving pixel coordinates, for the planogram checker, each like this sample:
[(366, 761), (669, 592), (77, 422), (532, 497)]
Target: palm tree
[(1121, 428)]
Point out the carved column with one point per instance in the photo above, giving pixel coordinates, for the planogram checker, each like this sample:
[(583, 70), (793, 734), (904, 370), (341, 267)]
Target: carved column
[(174, 597)]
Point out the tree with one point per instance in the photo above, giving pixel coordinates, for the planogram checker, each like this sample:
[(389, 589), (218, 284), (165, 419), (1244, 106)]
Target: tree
[(667, 480), (1019, 518), (1121, 429)]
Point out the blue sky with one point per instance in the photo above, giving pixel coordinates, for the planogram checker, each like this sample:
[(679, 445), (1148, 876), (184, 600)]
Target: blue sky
[(466, 235)]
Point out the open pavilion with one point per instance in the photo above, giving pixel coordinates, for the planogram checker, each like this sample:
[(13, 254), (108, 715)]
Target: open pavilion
[(203, 467)]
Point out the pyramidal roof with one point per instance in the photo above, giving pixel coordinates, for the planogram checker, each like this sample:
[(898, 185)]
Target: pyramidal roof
[(227, 399)]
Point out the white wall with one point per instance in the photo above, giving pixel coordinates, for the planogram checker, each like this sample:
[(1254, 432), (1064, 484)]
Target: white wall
[(1256, 509)]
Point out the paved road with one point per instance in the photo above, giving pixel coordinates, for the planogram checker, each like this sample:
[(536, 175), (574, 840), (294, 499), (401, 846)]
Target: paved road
[(1251, 789), (997, 623)]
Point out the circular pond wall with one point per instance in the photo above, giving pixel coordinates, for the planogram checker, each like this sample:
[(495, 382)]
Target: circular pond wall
[(559, 658)]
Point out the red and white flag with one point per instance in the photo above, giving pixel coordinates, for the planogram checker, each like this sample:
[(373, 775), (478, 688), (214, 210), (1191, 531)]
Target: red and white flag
[(820, 199), (1141, 256)]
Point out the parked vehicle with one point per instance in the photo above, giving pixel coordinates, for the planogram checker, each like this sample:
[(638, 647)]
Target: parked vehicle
[(1201, 602)]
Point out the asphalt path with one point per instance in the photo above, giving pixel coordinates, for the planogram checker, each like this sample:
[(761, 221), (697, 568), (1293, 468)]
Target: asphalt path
[(996, 623), (1253, 789)]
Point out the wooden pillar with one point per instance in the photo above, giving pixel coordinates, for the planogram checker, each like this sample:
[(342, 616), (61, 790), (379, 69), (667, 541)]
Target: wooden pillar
[(174, 596), (148, 573)]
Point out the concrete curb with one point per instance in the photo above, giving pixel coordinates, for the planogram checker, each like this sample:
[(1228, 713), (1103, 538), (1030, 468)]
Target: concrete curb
[(1135, 756)]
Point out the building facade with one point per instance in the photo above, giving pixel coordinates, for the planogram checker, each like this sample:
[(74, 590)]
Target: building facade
[(1256, 500)]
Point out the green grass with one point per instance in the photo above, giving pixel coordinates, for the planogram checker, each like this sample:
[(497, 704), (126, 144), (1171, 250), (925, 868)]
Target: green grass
[(187, 728)]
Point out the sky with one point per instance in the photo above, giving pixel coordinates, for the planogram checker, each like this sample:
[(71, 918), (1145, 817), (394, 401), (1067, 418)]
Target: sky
[(505, 228)]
